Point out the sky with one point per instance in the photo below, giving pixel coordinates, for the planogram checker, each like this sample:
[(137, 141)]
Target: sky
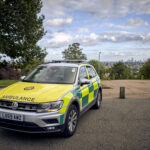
[(119, 29)]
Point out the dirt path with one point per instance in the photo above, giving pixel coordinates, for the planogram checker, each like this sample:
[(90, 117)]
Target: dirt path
[(139, 89)]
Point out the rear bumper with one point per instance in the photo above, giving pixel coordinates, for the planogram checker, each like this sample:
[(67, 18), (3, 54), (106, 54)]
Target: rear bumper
[(34, 122)]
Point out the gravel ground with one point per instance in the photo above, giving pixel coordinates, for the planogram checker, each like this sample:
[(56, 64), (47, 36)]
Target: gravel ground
[(135, 89), (118, 125)]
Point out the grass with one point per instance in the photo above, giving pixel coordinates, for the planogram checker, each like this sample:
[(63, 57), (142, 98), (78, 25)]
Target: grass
[(7, 82), (105, 86)]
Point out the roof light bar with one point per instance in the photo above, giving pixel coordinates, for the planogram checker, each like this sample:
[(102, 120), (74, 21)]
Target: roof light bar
[(66, 61)]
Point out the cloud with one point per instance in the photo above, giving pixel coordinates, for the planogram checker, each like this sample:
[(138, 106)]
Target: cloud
[(129, 24), (98, 8), (59, 22), (110, 25), (136, 22), (62, 39), (112, 37), (124, 55), (53, 8), (121, 36), (87, 40), (56, 40), (115, 53), (83, 30)]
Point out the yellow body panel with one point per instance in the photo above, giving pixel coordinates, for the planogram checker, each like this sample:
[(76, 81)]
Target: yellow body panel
[(84, 90), (66, 99), (91, 96), (39, 94)]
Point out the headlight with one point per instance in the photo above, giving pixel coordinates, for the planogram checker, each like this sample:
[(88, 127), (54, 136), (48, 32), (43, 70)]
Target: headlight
[(48, 107)]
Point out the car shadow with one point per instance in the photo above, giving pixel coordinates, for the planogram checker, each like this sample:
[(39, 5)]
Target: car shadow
[(35, 137)]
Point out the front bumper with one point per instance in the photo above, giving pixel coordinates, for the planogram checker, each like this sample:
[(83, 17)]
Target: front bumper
[(34, 122)]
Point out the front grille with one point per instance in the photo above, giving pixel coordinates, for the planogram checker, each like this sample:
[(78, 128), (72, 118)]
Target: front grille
[(18, 123), (20, 126), (21, 106)]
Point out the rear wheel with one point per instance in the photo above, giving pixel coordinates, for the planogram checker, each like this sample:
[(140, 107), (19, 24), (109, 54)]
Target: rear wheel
[(98, 100), (71, 121)]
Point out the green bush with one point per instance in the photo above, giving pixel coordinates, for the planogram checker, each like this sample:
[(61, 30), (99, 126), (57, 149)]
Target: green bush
[(144, 72), (120, 71)]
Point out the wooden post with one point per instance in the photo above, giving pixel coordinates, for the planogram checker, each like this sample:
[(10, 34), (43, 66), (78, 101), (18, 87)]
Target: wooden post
[(122, 92)]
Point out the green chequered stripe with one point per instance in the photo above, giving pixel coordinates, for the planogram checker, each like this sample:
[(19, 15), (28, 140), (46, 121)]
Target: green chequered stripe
[(85, 100), (77, 92), (61, 119), (91, 88), (83, 94), (95, 93)]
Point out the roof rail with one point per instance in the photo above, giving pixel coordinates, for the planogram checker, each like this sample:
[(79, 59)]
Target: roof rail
[(66, 61)]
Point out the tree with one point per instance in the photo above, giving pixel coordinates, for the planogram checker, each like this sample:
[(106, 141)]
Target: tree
[(74, 52), (145, 70), (29, 67), (21, 27), (100, 69), (120, 71)]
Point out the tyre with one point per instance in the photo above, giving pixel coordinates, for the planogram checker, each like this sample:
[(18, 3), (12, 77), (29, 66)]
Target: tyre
[(71, 121), (97, 105)]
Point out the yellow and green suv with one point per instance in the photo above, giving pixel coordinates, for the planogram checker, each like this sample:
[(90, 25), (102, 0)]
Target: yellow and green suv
[(51, 98)]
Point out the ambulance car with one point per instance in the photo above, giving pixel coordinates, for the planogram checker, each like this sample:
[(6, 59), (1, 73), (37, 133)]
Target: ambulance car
[(51, 98)]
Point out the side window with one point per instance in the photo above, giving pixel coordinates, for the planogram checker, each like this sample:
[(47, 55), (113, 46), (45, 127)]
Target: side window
[(83, 73), (91, 72)]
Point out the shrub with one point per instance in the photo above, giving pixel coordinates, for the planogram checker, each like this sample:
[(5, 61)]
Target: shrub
[(144, 72), (9, 73)]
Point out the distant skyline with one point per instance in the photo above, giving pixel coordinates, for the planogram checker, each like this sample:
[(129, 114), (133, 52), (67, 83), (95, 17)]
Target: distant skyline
[(120, 29)]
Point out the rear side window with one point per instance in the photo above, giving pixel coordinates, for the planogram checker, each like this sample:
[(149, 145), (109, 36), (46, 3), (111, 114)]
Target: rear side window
[(83, 73), (91, 72)]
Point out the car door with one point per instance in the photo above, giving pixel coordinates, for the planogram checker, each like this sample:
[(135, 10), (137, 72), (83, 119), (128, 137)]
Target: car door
[(93, 86), (83, 88)]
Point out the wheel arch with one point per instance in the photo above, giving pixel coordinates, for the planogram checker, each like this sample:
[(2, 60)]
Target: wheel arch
[(74, 101)]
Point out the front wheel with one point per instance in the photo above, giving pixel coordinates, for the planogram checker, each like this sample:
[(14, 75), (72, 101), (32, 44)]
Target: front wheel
[(97, 105), (71, 121)]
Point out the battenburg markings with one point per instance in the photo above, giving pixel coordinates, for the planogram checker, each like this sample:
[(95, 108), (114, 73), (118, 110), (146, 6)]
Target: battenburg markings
[(77, 92), (61, 119), (85, 100), (91, 88), (95, 93)]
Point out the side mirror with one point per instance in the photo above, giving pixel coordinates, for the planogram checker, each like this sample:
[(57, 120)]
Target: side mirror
[(84, 81), (22, 77)]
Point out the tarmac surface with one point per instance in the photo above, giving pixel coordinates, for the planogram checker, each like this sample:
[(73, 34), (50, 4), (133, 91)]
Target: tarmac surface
[(120, 124)]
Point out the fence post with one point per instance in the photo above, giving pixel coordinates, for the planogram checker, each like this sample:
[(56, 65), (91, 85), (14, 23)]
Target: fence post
[(122, 92)]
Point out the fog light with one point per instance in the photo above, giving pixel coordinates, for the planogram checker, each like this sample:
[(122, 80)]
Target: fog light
[(50, 128), (50, 121)]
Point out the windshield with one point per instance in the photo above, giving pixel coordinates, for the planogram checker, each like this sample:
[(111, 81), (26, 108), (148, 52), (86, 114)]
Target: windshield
[(52, 74)]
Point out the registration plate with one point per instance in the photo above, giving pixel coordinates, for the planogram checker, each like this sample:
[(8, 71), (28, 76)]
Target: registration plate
[(10, 116)]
